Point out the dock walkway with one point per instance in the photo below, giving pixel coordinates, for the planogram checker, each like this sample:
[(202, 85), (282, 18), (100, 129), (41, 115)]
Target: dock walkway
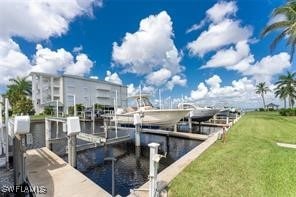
[(45, 168)]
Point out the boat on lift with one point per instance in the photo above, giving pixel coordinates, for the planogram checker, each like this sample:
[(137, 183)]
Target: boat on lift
[(150, 115), (198, 114)]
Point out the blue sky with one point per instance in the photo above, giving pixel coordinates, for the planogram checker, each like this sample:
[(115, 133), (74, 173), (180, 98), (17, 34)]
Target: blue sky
[(92, 28)]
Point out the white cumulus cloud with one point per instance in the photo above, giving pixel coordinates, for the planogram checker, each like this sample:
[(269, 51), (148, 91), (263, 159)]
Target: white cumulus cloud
[(150, 48), (200, 92), (221, 10), (214, 82), (60, 61), (12, 61), (269, 66), (241, 60), (113, 77), (176, 80), (35, 21), (219, 35), (159, 77), (240, 93), (229, 57), (150, 51), (38, 20)]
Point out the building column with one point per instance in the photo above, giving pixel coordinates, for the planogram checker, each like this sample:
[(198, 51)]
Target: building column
[(51, 88)]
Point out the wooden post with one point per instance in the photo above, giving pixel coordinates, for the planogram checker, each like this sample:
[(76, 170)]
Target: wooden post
[(48, 134), (175, 127), (214, 118), (19, 160), (227, 120)]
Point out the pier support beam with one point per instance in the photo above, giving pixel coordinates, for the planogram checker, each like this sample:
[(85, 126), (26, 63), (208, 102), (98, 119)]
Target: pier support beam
[(153, 166)]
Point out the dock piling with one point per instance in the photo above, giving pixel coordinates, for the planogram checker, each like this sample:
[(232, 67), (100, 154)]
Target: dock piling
[(6, 114), (190, 124), (153, 169), (214, 119), (175, 127), (137, 123), (19, 127), (72, 151), (19, 159), (48, 134), (106, 127)]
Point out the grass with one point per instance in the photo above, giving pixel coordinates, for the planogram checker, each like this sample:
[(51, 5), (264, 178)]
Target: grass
[(248, 164), (39, 117)]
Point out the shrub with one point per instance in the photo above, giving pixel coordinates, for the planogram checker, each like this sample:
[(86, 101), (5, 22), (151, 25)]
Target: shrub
[(261, 109), (48, 110), (287, 112), (23, 106), (79, 108)]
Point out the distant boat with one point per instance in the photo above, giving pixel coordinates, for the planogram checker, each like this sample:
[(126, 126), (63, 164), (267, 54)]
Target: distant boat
[(150, 115), (226, 111), (198, 114)]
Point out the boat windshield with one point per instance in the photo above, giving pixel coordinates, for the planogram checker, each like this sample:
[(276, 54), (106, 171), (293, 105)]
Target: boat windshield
[(187, 106), (143, 102)]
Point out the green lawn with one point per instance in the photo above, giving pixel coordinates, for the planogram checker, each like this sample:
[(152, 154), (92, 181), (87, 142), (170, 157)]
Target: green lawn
[(39, 117), (248, 164)]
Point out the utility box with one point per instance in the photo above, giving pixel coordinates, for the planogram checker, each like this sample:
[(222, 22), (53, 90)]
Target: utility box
[(73, 126), (21, 125)]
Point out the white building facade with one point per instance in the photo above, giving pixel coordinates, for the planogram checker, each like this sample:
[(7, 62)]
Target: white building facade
[(70, 89)]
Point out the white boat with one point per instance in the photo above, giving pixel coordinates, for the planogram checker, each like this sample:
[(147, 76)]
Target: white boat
[(198, 114), (150, 115)]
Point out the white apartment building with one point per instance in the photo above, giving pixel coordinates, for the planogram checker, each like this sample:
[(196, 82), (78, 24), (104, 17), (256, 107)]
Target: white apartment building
[(67, 89)]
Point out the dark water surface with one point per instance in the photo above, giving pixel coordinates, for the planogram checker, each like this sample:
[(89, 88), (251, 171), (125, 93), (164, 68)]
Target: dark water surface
[(132, 165)]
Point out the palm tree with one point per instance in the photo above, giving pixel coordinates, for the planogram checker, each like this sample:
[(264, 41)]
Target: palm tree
[(262, 89), (286, 26), (18, 87), (21, 85), (281, 92), (288, 85)]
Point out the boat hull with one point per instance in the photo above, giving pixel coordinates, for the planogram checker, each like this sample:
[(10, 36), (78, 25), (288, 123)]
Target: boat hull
[(201, 115), (162, 118)]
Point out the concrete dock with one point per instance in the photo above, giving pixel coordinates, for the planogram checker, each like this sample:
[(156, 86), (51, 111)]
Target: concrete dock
[(45, 168)]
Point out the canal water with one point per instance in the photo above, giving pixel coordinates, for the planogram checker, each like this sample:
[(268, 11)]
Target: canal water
[(132, 165)]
